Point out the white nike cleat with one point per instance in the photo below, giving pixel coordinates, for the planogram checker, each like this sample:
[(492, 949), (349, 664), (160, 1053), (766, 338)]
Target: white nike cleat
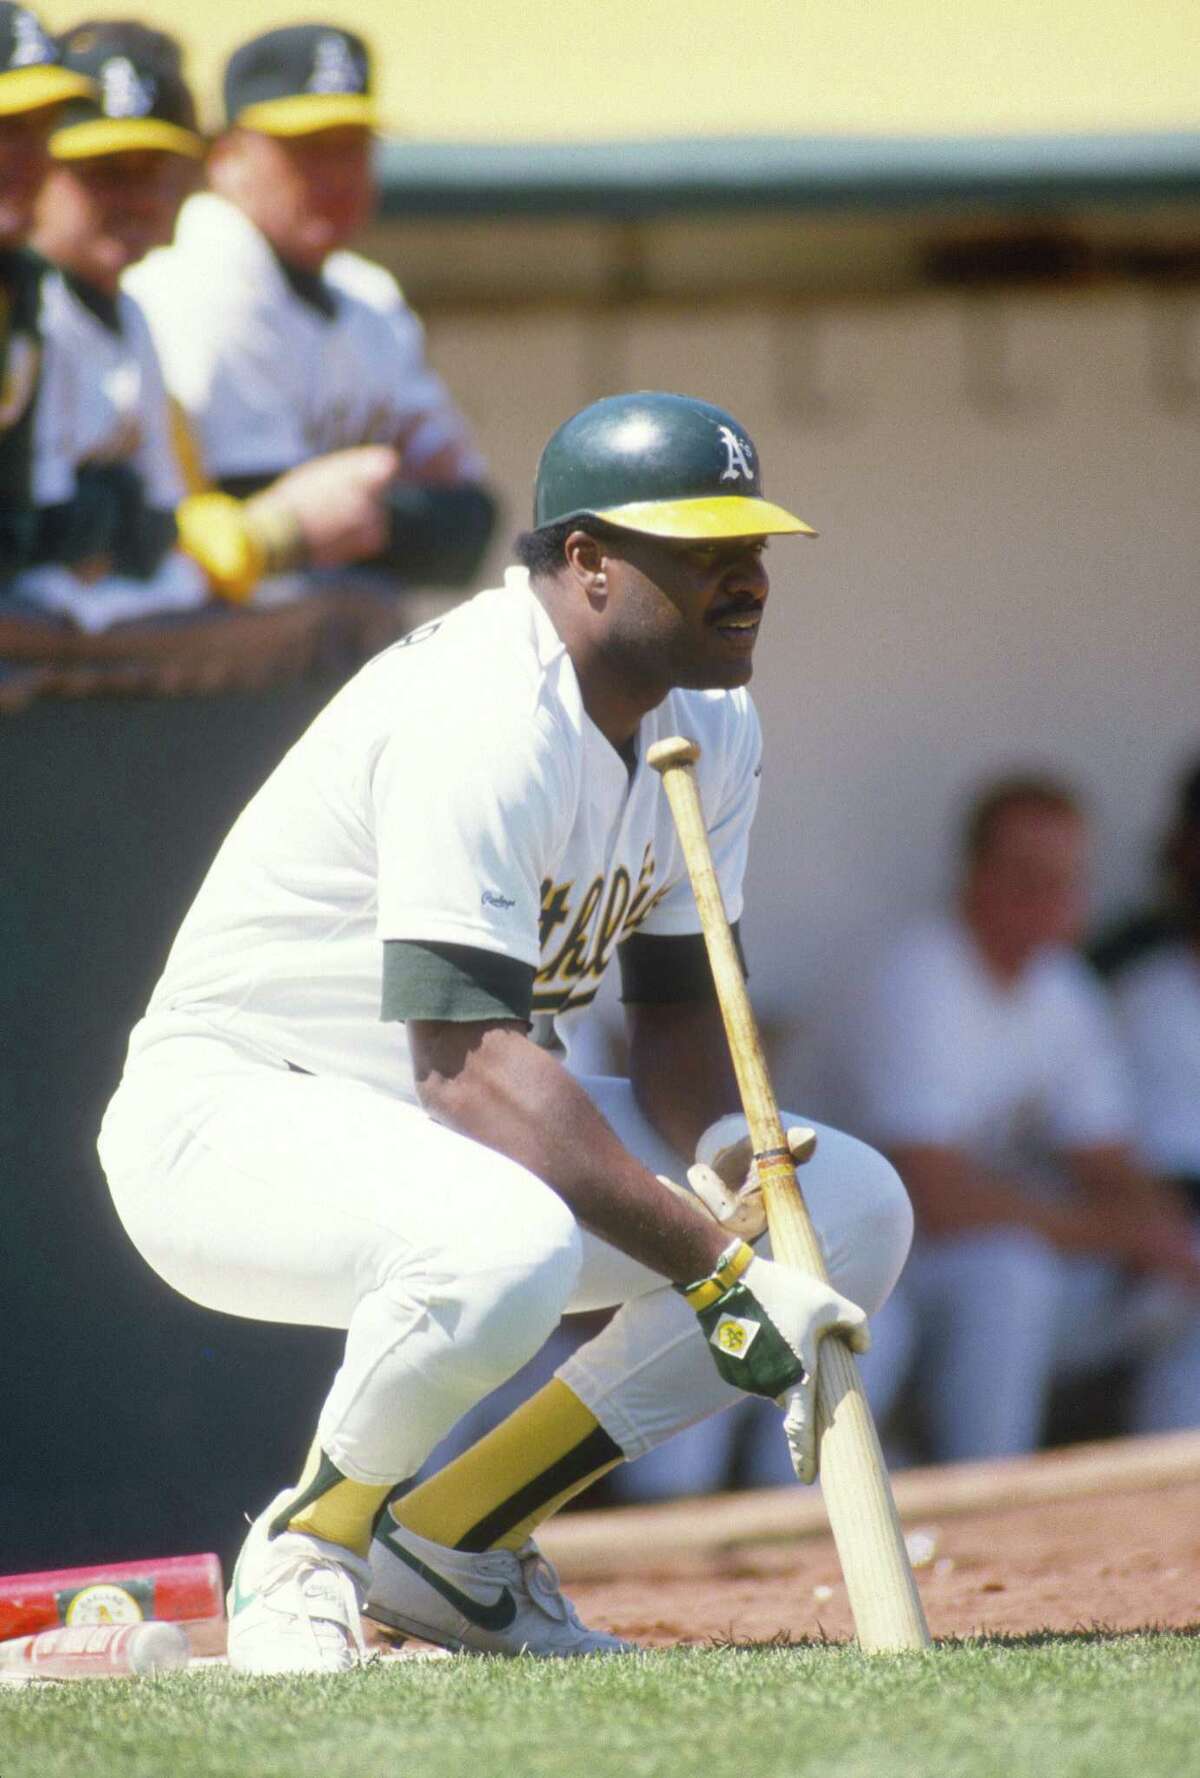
[(499, 1602), (294, 1603)]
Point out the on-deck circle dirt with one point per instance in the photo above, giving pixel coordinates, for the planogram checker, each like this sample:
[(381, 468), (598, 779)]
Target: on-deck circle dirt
[(1125, 1562)]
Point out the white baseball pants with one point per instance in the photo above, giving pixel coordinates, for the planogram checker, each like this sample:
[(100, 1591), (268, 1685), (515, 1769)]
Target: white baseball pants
[(281, 1196)]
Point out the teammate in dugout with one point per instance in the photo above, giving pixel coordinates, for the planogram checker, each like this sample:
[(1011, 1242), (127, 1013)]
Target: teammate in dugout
[(33, 90), (281, 347), (111, 462), (106, 477), (351, 1101)]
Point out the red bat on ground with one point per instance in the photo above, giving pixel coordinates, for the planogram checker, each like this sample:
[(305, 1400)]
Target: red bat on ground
[(181, 1589)]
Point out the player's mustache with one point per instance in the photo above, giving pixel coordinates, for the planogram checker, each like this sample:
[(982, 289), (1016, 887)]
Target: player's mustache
[(742, 607)]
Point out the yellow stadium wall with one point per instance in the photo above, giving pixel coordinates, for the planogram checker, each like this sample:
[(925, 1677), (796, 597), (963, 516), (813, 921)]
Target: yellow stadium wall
[(475, 70)]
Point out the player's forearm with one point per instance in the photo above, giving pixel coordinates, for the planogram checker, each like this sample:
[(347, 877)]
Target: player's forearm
[(953, 1195), (1143, 1220), (504, 1091)]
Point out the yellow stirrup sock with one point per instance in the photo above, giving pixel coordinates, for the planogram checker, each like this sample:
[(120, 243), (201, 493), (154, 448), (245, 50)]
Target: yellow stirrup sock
[(328, 1504), (497, 1493)]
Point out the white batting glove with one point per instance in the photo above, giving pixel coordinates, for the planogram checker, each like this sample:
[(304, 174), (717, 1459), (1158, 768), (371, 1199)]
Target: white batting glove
[(723, 1177), (763, 1323), (805, 1309)]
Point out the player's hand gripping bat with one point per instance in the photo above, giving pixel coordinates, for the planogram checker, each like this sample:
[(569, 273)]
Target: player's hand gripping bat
[(888, 1615)]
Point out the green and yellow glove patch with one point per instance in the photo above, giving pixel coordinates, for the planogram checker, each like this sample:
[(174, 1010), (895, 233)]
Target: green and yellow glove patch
[(747, 1347)]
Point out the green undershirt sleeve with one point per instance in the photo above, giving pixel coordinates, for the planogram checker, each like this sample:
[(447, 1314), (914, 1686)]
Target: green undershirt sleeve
[(453, 982), (661, 971)]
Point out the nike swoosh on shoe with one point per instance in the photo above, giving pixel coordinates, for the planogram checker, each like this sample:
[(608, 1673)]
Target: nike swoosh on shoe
[(497, 1616)]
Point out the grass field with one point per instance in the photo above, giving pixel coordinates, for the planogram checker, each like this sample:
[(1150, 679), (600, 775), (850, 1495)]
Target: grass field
[(1083, 1706)]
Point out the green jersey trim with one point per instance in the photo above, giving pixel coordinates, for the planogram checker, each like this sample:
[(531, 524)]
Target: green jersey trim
[(662, 971), (456, 983)]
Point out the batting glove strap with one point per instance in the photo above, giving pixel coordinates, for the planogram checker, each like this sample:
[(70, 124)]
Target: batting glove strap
[(731, 1263), (747, 1347)]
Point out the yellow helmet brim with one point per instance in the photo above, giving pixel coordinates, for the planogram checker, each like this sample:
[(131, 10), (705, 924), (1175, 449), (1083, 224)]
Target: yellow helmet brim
[(303, 114), (708, 516), (123, 135), (32, 89)]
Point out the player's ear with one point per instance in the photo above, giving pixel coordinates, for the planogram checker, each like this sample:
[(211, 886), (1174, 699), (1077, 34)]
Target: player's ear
[(585, 560)]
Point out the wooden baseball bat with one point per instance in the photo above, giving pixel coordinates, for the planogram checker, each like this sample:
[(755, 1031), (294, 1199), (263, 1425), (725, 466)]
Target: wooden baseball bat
[(888, 1615)]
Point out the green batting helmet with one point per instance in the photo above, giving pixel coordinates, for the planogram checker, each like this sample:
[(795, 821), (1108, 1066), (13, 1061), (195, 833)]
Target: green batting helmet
[(664, 464)]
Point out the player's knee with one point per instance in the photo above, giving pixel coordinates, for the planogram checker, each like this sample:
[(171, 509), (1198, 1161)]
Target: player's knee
[(519, 1295), (876, 1228)]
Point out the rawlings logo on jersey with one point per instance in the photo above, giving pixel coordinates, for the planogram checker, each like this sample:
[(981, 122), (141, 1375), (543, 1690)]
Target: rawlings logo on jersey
[(595, 922), (738, 452)]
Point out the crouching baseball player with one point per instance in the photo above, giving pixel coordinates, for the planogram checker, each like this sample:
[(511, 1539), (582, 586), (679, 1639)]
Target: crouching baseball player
[(351, 1101)]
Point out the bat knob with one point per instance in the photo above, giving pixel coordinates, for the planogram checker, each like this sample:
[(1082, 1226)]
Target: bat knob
[(676, 751), (803, 1143)]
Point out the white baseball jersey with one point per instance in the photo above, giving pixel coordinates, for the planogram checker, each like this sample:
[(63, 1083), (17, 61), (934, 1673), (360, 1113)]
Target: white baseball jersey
[(1158, 1002), (102, 400), (455, 791), (946, 1055), (266, 378)]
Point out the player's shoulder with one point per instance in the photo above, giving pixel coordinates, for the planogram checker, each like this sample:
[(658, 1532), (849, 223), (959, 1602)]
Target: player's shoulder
[(1066, 983), (363, 281), (217, 257), (724, 723), (152, 279), (477, 693), (493, 664)]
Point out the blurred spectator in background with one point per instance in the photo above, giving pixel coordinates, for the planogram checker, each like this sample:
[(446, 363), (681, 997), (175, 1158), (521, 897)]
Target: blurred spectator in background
[(280, 347), (986, 1062), (33, 90), (106, 477), (1156, 982)]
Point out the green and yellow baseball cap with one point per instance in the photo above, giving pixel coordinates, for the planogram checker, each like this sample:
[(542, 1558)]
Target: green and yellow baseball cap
[(667, 465), (31, 71), (141, 98), (298, 80)]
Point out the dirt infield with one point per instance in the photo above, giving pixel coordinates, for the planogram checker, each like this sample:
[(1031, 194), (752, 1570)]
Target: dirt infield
[(1126, 1559)]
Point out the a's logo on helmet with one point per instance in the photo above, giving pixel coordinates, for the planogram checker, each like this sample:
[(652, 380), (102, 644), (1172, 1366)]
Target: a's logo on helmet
[(738, 452), (335, 66), (123, 91), (31, 45)]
